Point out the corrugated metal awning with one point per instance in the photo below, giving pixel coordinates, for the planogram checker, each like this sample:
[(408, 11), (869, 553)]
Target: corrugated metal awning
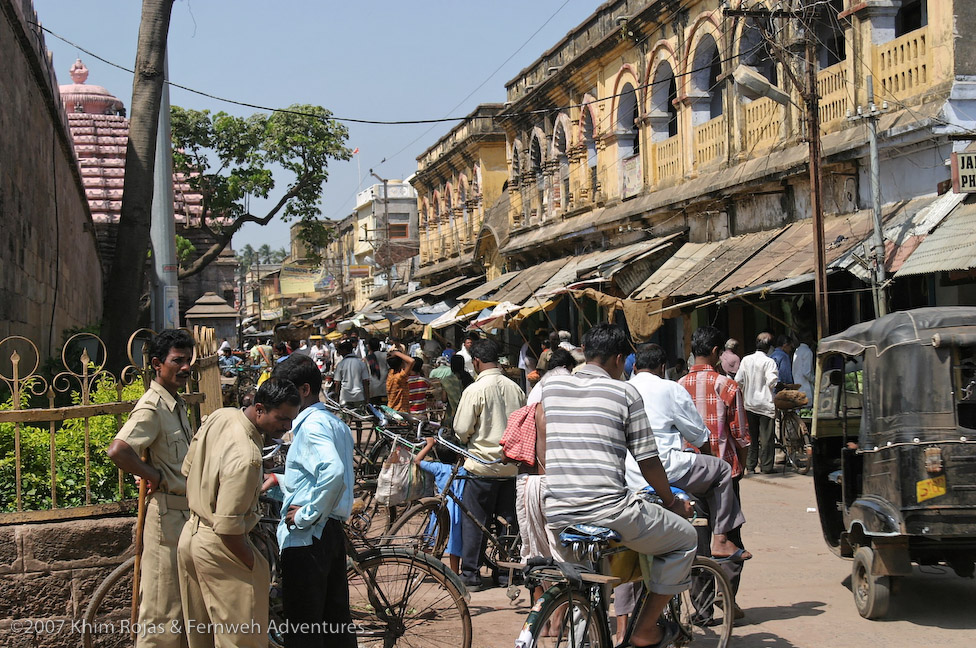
[(688, 257), (528, 281), (487, 288), (952, 246)]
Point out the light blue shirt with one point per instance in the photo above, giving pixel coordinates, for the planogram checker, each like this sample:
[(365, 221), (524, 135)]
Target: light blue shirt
[(318, 476)]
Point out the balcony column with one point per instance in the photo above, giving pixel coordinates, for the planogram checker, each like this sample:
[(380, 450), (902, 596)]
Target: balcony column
[(874, 24)]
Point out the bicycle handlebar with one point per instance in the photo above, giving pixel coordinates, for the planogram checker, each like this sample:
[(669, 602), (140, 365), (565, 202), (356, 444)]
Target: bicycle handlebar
[(464, 452)]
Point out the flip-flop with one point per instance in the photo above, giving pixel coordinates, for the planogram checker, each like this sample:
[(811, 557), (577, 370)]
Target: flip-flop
[(740, 556), (669, 632)]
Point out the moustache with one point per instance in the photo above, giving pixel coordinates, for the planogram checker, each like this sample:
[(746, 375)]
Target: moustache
[(183, 374)]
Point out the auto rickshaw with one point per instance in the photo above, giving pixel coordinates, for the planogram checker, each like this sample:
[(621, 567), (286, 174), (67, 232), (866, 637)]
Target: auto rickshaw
[(894, 447)]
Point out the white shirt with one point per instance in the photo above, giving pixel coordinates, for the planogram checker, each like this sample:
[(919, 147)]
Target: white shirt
[(674, 420), (758, 376), (535, 396), (468, 365), (803, 370)]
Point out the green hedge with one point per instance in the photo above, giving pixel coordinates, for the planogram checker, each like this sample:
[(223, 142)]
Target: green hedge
[(35, 444)]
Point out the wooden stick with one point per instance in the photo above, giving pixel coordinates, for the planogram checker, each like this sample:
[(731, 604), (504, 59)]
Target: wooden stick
[(140, 527)]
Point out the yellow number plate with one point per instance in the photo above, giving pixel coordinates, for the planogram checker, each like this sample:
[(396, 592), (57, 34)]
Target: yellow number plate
[(929, 488)]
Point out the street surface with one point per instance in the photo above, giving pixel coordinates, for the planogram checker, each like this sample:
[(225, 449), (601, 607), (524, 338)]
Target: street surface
[(795, 592)]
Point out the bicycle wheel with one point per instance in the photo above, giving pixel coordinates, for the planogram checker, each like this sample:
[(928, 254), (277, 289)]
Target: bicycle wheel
[(425, 526), (372, 463), (554, 623), (706, 611), (266, 544), (404, 598), (796, 443), (110, 608)]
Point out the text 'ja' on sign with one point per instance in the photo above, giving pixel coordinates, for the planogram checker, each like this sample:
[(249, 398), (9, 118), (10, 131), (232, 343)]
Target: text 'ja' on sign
[(963, 172)]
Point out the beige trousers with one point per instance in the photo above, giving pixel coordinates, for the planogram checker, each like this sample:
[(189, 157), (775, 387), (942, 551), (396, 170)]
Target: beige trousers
[(160, 607), (225, 604)]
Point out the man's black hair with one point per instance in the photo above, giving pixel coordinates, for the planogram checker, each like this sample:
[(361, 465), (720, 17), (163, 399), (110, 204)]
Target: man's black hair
[(706, 338), (561, 358), (783, 338), (605, 341), (472, 335), (418, 364), (344, 348), (299, 369), (485, 350), (273, 393), (649, 356), (374, 344), (170, 339), (281, 348), (394, 362)]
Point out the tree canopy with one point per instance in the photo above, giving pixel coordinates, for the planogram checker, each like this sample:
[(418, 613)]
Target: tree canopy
[(231, 159)]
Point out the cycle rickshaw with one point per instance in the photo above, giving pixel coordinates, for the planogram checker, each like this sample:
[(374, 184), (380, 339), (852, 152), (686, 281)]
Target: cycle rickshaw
[(894, 447)]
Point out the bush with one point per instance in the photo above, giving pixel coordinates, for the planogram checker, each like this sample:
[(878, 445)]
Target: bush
[(35, 450)]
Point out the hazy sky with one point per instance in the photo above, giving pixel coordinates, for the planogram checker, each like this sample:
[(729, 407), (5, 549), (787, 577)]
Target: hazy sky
[(369, 60)]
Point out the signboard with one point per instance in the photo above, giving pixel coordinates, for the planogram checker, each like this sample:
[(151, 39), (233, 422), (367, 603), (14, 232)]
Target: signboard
[(271, 314), (963, 172), (359, 271), (298, 278), (633, 176)]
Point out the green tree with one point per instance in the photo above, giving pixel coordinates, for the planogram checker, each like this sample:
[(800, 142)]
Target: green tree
[(264, 254), (184, 250), (228, 159), (246, 258)]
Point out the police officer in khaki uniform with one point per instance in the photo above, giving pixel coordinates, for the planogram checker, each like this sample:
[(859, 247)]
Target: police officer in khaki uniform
[(159, 429), (223, 581)]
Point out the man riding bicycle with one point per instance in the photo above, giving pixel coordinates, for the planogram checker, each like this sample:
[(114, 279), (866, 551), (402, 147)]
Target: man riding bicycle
[(590, 420)]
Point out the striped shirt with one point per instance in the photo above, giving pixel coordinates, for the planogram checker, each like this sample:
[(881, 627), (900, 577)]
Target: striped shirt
[(417, 386), (591, 422)]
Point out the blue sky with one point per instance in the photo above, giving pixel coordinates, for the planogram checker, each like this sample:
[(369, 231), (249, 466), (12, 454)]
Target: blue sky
[(367, 60)]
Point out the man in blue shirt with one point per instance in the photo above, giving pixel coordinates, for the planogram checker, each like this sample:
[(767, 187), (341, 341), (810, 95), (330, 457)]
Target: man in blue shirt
[(317, 487), (782, 355)]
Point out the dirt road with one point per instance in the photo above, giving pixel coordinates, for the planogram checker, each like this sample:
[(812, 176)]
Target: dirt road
[(795, 592)]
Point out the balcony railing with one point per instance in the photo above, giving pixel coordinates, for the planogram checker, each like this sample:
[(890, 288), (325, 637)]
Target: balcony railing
[(902, 66), (667, 159), (710, 140), (763, 122), (834, 94)]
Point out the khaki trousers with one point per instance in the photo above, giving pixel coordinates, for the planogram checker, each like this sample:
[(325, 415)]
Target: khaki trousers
[(160, 606), (225, 604)]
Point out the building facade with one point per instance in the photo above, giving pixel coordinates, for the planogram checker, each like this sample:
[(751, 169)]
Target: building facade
[(685, 123)]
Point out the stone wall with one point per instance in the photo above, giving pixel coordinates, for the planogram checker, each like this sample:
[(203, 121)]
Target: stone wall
[(50, 275), (48, 573)]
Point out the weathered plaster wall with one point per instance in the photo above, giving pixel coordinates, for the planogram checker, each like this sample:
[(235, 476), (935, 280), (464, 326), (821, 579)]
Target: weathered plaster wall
[(50, 275)]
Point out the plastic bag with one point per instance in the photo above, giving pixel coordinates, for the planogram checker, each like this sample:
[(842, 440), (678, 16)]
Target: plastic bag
[(400, 481)]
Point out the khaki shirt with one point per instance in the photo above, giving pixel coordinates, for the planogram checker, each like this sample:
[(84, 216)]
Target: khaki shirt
[(159, 428), (223, 472), (481, 417)]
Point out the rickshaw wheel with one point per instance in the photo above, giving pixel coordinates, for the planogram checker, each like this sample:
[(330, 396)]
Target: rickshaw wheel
[(872, 592)]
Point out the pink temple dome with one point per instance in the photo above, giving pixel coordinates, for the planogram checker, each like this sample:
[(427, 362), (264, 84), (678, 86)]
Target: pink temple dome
[(79, 97)]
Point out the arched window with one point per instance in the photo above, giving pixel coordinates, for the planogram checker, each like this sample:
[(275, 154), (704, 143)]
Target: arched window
[(559, 146), (706, 90), (754, 49), (465, 214), (628, 121), (535, 164), (913, 14), (664, 114), (589, 140)]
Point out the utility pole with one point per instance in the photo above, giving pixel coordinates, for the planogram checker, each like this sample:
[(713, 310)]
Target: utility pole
[(811, 99), (165, 285), (387, 256), (816, 191), (877, 240)]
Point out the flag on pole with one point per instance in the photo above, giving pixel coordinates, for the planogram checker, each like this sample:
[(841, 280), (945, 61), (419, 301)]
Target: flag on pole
[(355, 150)]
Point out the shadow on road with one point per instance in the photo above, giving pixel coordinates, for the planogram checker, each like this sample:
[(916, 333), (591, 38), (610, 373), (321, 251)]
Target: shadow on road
[(759, 640), (937, 599), (756, 615)]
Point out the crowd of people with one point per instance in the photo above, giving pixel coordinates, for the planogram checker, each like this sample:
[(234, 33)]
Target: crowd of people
[(601, 422)]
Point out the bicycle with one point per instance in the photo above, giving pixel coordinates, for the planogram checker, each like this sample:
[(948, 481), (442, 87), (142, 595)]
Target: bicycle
[(792, 437), (574, 610), (426, 524), (398, 596)]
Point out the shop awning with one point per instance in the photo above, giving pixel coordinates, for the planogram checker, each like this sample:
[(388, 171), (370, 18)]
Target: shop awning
[(453, 316), (489, 287), (951, 246), (673, 272), (528, 281)]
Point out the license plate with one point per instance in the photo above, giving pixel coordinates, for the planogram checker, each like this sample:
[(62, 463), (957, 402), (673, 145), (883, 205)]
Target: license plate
[(926, 489)]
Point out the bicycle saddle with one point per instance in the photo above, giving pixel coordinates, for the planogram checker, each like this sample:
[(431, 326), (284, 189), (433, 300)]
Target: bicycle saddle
[(587, 533)]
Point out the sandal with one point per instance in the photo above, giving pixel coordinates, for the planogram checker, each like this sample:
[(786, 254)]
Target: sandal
[(669, 632), (740, 556)]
